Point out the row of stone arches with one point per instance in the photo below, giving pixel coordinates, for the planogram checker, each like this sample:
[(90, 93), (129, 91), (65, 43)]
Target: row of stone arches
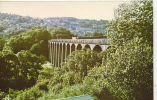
[(58, 51), (81, 46)]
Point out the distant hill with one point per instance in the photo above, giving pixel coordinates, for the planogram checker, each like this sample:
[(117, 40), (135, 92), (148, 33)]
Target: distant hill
[(11, 24)]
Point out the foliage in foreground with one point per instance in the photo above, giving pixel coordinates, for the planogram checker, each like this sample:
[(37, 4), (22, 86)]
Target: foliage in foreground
[(19, 63), (119, 77), (124, 72), (19, 71), (21, 58)]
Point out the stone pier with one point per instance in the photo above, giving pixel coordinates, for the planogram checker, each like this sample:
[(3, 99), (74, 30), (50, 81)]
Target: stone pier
[(59, 49)]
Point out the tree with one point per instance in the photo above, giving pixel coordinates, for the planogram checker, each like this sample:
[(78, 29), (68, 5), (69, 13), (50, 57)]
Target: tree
[(2, 42), (35, 48), (129, 72), (28, 68), (130, 67), (8, 68), (98, 34), (60, 32), (27, 40), (1, 29), (81, 61), (132, 22), (19, 71)]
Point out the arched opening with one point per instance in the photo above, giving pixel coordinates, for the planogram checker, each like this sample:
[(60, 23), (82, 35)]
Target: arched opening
[(68, 49), (53, 53), (59, 54), (63, 51), (72, 48), (79, 47), (50, 51), (97, 48), (87, 47)]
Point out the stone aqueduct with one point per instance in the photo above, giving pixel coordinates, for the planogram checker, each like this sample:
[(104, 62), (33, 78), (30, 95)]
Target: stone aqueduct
[(59, 49)]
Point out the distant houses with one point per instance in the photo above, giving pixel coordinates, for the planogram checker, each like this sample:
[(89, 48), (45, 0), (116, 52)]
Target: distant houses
[(80, 27)]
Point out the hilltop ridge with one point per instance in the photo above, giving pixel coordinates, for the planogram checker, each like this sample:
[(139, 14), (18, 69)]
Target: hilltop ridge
[(12, 24)]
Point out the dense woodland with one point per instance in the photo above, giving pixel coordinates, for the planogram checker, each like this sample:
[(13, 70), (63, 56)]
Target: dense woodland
[(122, 72)]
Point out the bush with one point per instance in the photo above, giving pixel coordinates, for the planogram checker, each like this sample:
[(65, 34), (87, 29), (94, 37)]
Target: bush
[(31, 94), (81, 61)]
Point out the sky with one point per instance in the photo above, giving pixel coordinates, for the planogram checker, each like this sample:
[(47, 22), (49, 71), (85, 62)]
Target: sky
[(79, 9)]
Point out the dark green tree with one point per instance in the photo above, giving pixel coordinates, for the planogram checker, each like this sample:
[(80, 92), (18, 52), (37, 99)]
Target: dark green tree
[(8, 69), (98, 34), (19, 71), (27, 40), (2, 42), (1, 29), (28, 68)]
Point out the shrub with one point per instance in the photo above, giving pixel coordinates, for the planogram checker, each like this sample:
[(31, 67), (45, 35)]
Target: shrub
[(31, 94)]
